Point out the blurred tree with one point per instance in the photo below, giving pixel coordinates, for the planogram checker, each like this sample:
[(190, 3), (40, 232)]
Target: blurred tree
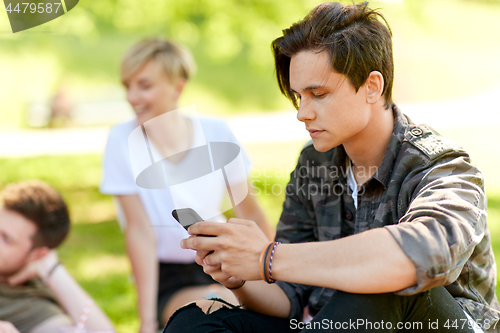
[(223, 28), (230, 40)]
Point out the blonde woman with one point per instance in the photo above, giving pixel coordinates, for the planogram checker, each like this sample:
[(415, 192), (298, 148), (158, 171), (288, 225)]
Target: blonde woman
[(154, 73)]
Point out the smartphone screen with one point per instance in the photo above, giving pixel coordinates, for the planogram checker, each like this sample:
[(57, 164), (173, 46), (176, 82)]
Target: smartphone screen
[(186, 216)]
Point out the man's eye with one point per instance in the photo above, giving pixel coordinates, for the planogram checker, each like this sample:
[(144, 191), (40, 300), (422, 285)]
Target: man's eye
[(319, 95)]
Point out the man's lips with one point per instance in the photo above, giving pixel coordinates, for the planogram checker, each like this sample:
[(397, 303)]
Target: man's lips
[(314, 133)]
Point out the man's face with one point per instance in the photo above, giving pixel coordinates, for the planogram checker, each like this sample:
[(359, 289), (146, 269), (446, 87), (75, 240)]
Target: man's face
[(16, 242), (333, 112)]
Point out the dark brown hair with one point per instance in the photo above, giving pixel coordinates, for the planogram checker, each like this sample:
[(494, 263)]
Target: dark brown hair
[(358, 43), (42, 205)]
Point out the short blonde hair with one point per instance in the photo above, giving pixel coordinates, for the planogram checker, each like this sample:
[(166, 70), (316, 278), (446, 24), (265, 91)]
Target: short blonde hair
[(175, 59)]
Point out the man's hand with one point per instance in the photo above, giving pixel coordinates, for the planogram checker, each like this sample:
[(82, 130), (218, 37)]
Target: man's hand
[(218, 275), (6, 327), (35, 269), (237, 247)]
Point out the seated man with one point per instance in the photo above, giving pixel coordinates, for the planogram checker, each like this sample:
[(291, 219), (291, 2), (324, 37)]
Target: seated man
[(37, 294), (384, 222)]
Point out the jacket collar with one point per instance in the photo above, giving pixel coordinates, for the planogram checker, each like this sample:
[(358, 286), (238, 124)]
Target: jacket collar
[(384, 171)]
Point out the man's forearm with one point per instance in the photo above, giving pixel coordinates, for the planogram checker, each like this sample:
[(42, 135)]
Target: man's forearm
[(369, 262), (264, 298)]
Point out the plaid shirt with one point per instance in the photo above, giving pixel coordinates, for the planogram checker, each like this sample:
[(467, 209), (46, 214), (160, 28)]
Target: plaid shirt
[(426, 193)]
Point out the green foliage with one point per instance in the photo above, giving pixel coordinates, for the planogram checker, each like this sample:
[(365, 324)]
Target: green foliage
[(230, 41)]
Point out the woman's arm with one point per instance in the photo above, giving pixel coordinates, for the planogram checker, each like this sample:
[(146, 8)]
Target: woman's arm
[(140, 241), (249, 209)]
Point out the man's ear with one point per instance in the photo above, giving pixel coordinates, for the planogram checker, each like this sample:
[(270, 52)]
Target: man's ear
[(37, 253), (374, 86)]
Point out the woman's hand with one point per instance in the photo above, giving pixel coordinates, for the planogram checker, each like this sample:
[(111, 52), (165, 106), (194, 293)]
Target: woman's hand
[(237, 246)]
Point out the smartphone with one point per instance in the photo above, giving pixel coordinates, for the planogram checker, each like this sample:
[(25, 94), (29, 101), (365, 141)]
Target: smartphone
[(186, 217)]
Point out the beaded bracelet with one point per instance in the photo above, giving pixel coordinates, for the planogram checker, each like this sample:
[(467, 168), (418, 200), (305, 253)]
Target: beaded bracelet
[(271, 280)]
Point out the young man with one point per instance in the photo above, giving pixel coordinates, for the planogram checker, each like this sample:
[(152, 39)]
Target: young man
[(384, 222), (37, 294)]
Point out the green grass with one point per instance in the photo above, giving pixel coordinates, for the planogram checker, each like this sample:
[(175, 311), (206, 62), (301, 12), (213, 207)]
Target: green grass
[(76, 177), (95, 255), (94, 252)]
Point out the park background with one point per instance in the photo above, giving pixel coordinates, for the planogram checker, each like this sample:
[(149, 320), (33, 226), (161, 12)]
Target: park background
[(447, 74)]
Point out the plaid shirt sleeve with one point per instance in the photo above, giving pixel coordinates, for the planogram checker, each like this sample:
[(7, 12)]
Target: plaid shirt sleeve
[(445, 221)]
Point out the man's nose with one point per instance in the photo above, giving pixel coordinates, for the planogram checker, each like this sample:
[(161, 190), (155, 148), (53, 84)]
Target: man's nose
[(305, 112)]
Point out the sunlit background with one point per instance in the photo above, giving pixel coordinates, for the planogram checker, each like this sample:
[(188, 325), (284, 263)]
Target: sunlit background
[(447, 74)]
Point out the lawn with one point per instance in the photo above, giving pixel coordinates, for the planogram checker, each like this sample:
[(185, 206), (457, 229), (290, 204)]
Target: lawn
[(94, 252)]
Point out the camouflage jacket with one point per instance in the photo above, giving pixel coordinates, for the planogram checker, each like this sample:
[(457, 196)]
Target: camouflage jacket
[(426, 193)]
